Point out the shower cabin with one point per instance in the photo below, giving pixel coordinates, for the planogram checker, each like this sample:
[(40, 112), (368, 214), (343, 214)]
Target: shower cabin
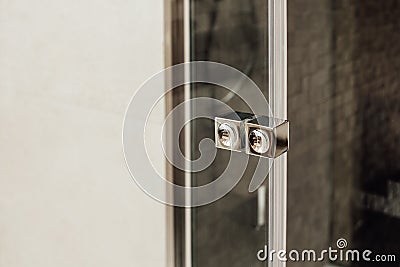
[(330, 68)]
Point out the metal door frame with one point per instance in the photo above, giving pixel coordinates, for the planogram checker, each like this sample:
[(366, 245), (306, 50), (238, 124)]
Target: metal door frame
[(277, 54)]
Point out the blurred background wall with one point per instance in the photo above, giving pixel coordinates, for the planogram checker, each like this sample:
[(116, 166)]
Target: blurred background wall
[(67, 72), (343, 105)]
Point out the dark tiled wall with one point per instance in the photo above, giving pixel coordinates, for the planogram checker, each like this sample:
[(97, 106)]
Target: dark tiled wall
[(344, 60), (310, 105)]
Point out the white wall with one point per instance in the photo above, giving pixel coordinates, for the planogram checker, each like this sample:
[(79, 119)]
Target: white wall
[(68, 69)]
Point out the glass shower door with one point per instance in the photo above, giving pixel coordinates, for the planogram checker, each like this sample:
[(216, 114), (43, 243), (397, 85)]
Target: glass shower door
[(241, 34), (228, 232)]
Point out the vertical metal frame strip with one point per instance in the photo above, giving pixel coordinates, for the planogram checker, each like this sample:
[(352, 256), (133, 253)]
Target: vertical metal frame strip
[(188, 131), (277, 52), (175, 45), (177, 50)]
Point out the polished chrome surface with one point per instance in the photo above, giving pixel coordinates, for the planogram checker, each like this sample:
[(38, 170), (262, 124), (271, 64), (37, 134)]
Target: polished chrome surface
[(259, 141), (256, 135), (230, 131), (267, 137), (228, 135)]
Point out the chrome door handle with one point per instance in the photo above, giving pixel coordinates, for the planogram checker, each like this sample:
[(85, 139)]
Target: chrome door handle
[(255, 135)]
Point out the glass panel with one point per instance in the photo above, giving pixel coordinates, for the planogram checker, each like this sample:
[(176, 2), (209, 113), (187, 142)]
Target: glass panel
[(233, 32), (344, 108)]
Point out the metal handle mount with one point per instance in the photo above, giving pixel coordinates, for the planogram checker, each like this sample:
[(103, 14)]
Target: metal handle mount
[(255, 135)]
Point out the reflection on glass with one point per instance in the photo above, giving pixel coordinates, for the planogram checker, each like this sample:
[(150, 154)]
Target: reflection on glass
[(232, 32)]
